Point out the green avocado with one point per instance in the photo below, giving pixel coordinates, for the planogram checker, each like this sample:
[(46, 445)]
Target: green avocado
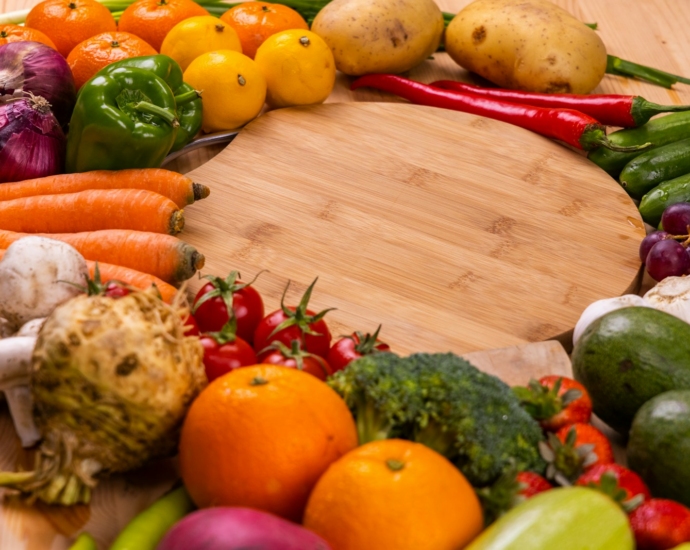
[(629, 356), (659, 445)]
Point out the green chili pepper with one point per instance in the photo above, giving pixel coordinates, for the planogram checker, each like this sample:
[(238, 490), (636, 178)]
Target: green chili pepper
[(189, 111), (147, 529), (125, 118)]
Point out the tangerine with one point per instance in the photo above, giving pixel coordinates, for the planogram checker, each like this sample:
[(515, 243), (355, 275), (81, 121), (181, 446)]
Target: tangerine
[(198, 35), (261, 437), (17, 33), (256, 21), (233, 89), (153, 19), (91, 55), (299, 68), (394, 495), (69, 22)]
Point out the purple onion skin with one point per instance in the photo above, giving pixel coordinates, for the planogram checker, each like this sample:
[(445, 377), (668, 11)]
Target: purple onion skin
[(39, 69), (229, 528), (32, 144)]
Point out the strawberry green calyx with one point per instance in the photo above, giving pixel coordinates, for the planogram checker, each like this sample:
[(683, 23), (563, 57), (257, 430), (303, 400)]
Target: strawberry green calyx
[(542, 402), (566, 462)]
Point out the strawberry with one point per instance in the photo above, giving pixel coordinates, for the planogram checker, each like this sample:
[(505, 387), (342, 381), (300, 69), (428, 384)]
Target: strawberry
[(573, 450), (509, 490), (555, 401), (622, 485), (531, 484), (660, 524)]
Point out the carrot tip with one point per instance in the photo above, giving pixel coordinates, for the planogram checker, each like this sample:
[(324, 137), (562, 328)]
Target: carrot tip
[(198, 260), (177, 222), (200, 191)]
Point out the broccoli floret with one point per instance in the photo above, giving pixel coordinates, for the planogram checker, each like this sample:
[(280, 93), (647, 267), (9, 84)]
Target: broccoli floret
[(444, 402), (381, 394)]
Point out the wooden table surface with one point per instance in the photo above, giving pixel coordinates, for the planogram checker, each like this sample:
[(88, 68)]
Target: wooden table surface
[(652, 32)]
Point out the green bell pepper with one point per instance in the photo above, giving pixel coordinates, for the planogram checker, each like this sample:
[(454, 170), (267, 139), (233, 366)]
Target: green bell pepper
[(189, 111), (125, 118)]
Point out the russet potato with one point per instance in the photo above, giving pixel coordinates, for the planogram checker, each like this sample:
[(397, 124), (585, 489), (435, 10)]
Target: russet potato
[(379, 36), (527, 45)]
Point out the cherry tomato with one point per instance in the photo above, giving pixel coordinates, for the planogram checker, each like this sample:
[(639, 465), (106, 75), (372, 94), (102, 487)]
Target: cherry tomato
[(317, 344), (219, 359), (115, 290), (191, 328), (313, 364), (212, 314), (352, 347)]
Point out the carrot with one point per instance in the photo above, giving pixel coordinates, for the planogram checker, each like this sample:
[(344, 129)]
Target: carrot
[(178, 188), (91, 211), (132, 277), (163, 256)]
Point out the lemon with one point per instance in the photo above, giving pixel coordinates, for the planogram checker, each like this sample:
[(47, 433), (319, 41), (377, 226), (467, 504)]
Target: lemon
[(233, 89), (191, 37), (299, 68)]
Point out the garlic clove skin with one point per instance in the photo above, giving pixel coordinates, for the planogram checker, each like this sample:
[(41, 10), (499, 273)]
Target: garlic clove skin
[(672, 295), (601, 307)]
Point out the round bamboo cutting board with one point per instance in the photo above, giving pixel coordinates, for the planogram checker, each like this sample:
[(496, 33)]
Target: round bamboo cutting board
[(456, 232)]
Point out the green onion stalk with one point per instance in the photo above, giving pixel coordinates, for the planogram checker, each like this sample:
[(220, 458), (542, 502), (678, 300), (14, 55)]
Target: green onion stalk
[(309, 8)]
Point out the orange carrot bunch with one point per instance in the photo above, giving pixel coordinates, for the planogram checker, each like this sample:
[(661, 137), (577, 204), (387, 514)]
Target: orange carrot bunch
[(124, 220)]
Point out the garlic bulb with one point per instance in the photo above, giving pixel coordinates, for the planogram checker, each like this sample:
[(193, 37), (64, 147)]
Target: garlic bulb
[(601, 307), (671, 295)]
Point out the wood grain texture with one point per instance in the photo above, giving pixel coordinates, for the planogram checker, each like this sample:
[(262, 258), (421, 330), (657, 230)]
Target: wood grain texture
[(455, 232)]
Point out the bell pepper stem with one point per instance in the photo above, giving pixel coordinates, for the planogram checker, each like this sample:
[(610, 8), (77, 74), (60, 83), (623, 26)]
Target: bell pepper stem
[(187, 97), (151, 109)]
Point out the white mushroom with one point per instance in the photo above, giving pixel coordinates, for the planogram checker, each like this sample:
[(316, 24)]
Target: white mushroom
[(36, 275), (15, 366)]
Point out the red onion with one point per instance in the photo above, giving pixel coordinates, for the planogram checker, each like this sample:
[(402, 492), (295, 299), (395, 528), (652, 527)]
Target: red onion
[(32, 144), (39, 69)]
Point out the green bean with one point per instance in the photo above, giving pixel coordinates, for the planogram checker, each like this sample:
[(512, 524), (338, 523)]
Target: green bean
[(147, 529)]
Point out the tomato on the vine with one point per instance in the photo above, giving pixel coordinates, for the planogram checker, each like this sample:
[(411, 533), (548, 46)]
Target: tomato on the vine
[(294, 323), (352, 347), (190, 326), (218, 296), (296, 358), (224, 352)]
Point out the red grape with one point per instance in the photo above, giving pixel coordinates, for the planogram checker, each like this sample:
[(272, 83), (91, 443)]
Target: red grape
[(676, 218), (649, 241), (667, 258)]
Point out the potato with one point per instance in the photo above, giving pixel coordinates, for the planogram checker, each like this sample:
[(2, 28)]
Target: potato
[(527, 45), (379, 36)]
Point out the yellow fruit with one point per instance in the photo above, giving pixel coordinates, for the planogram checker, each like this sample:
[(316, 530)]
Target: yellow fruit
[(233, 89), (197, 35), (298, 66)]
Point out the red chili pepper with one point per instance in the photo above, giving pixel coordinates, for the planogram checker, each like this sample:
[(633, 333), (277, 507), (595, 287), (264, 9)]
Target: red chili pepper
[(627, 111), (573, 127)]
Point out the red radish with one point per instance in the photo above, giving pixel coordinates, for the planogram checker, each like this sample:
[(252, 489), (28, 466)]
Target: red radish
[(226, 528)]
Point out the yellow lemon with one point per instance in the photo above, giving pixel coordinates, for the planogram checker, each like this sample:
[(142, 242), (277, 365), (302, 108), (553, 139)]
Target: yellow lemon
[(299, 68), (233, 89), (196, 35)]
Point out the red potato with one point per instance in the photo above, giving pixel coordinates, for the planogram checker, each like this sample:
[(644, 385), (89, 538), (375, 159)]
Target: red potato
[(227, 528)]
